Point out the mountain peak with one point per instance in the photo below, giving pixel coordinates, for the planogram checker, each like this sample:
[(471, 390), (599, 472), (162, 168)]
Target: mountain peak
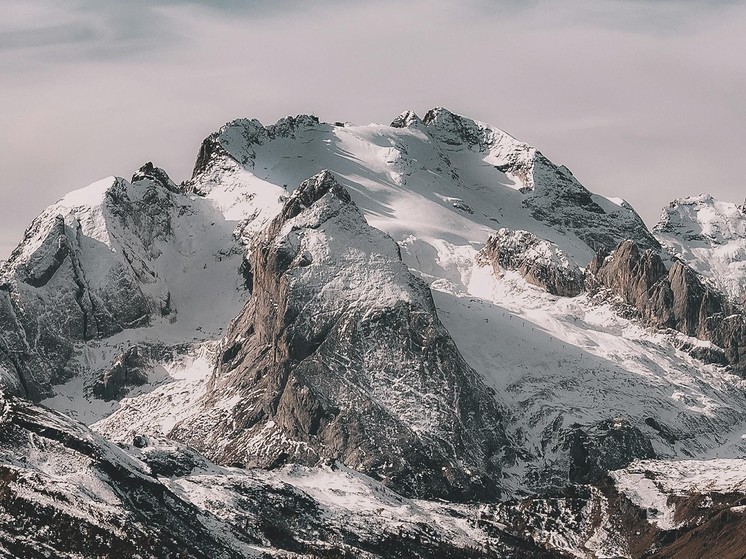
[(452, 128), (710, 235), (703, 217), (287, 126), (311, 191), (406, 119), (155, 174)]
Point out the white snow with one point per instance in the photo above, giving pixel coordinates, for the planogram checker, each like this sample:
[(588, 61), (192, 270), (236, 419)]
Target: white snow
[(710, 235), (158, 407), (651, 483)]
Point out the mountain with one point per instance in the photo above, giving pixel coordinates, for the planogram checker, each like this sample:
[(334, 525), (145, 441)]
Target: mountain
[(421, 339), (120, 261), (710, 236)]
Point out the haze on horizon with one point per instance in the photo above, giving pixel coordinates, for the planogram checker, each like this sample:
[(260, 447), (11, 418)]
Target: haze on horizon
[(641, 99)]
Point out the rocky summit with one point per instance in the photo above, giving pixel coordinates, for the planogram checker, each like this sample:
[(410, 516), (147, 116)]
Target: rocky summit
[(422, 339)]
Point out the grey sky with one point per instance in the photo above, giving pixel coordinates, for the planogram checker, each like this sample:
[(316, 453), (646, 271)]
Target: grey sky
[(642, 99)]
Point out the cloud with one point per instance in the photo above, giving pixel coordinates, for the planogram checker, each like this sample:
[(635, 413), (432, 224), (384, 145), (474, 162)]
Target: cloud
[(50, 32), (53, 35), (111, 28)]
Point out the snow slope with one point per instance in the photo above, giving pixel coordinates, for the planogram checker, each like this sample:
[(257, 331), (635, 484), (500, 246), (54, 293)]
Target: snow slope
[(448, 181)]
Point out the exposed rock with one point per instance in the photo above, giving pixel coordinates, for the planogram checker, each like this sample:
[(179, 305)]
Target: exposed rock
[(311, 361), (144, 208), (220, 145), (288, 126), (128, 369), (659, 509), (608, 445), (406, 119), (155, 174), (676, 298), (540, 262), (51, 281), (706, 352), (710, 236), (463, 206), (560, 200), (106, 507), (454, 129), (552, 194), (101, 260), (70, 494), (640, 279)]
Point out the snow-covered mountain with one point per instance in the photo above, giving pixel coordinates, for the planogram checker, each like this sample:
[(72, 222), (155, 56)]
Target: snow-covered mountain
[(710, 236), (329, 323)]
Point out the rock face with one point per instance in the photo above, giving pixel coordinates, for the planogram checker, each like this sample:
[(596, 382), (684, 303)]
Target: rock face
[(339, 355), (66, 272), (69, 493), (605, 446), (540, 262), (111, 257), (128, 369), (674, 298), (237, 138), (336, 400), (560, 200), (651, 509)]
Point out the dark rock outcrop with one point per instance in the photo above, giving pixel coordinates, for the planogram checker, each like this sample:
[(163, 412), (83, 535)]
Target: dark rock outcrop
[(639, 278), (602, 447), (340, 355), (406, 119), (156, 174), (128, 369), (540, 262), (676, 298), (107, 507)]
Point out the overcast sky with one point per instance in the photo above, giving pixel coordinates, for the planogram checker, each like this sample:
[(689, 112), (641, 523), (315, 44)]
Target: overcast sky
[(642, 99)]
